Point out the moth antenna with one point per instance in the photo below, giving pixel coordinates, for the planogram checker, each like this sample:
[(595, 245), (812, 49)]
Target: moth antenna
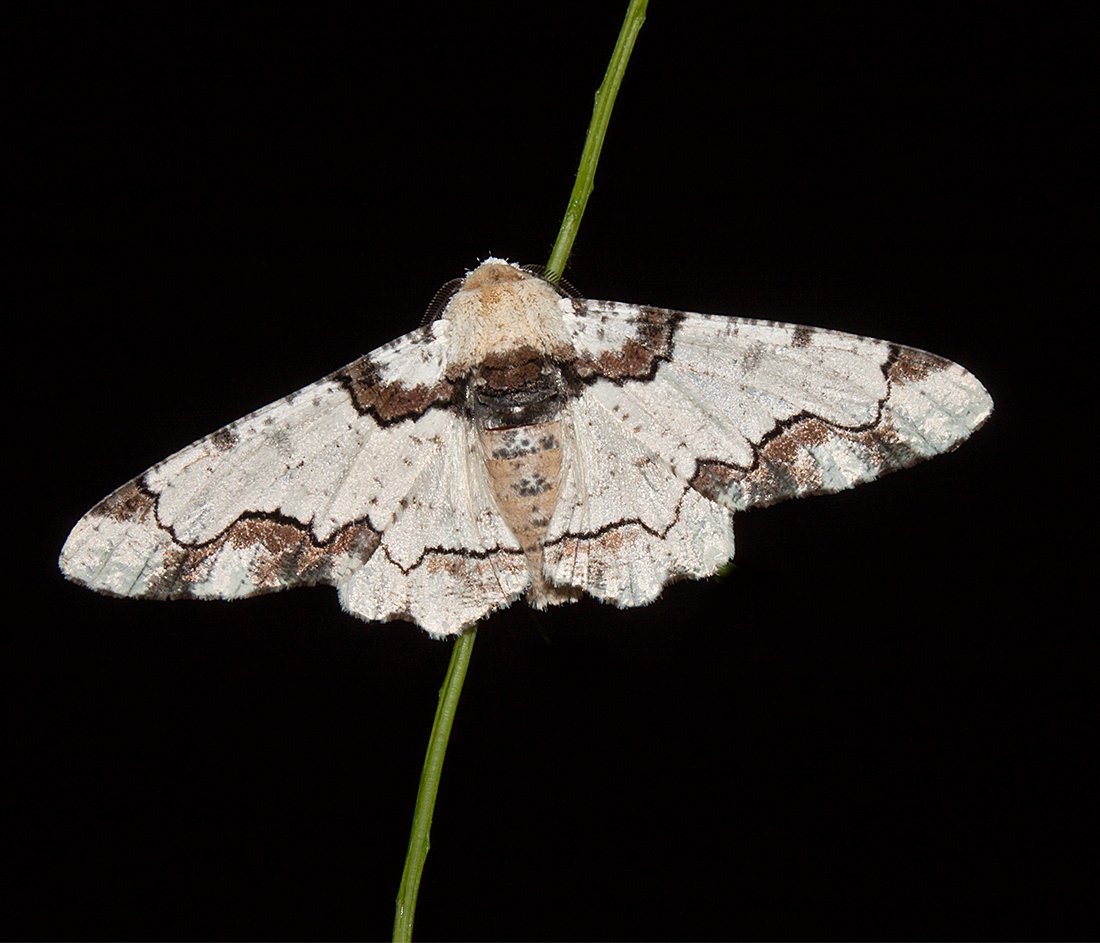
[(564, 287), (439, 301)]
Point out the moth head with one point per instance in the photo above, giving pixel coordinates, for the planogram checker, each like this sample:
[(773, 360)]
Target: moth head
[(493, 272)]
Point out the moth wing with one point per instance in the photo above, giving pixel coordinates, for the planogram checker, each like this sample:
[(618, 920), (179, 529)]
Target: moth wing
[(684, 418), (753, 412), (447, 558), (338, 483), (626, 524)]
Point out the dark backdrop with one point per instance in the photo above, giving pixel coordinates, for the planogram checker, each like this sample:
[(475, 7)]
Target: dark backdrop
[(873, 727)]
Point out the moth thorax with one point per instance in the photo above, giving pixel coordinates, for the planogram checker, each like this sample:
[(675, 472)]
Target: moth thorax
[(518, 390)]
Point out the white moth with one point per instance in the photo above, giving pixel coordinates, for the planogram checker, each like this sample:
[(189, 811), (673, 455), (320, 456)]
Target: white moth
[(524, 443)]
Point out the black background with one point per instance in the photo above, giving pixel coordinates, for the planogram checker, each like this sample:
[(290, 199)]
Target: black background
[(876, 726)]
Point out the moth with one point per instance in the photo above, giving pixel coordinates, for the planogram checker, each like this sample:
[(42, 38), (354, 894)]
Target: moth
[(523, 443)]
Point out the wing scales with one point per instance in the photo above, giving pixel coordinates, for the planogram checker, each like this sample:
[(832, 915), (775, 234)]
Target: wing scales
[(753, 412), (350, 479)]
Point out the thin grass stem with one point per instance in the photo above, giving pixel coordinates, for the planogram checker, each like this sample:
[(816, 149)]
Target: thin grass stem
[(420, 833)]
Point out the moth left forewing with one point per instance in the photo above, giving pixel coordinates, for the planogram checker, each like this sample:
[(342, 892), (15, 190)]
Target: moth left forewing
[(229, 515), (351, 471)]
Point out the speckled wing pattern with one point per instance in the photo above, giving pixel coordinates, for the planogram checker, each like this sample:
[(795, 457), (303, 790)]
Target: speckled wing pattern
[(358, 481), (686, 418), (525, 442)]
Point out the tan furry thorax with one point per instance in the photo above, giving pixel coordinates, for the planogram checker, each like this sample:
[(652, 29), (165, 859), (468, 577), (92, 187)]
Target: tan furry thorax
[(499, 308)]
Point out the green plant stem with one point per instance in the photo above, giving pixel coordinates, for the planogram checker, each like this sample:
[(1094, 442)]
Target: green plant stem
[(419, 835), (593, 140)]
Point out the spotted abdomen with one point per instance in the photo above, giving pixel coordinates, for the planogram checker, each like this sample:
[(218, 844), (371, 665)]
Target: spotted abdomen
[(524, 470)]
